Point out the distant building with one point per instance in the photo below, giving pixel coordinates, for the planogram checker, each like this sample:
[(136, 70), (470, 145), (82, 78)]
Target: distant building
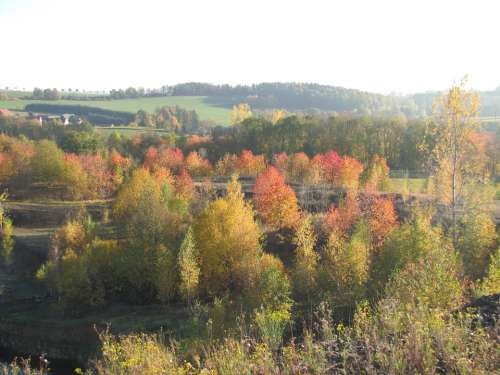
[(65, 118), (5, 112)]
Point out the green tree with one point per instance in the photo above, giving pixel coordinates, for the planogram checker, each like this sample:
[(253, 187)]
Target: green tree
[(47, 164), (275, 302)]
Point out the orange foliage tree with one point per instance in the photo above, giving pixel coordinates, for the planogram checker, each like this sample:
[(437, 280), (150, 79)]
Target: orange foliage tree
[(280, 161), (184, 186), (349, 173), (275, 201), (340, 220), (196, 165), (250, 164), (339, 171), (380, 216), (170, 158)]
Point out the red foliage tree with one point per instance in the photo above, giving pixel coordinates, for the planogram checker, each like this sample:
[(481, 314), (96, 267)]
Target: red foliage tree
[(99, 177), (170, 158), (184, 186), (340, 220), (275, 201), (329, 164)]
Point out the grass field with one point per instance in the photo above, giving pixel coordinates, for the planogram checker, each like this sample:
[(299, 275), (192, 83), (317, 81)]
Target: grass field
[(206, 111), (106, 131)]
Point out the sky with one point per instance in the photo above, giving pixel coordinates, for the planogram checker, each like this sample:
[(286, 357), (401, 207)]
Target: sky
[(383, 46)]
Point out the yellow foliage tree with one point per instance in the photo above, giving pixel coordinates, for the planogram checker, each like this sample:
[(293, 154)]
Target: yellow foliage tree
[(240, 112), (456, 116), (344, 273), (491, 283), (476, 241), (277, 115), (227, 238), (189, 269), (306, 260)]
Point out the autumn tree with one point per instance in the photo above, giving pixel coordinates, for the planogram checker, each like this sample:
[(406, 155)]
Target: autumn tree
[(491, 283), (380, 216), (227, 166), (415, 239), (139, 209), (300, 168), (306, 261), (280, 161), (349, 173), (456, 116), (146, 211), (329, 164), (274, 312), (277, 115), (275, 201), (144, 119), (189, 268), (15, 158), (376, 176), (163, 266), (340, 220), (120, 167), (249, 164), (227, 239), (240, 112), (345, 269), (150, 226), (170, 158), (196, 165), (6, 232), (47, 163), (476, 241)]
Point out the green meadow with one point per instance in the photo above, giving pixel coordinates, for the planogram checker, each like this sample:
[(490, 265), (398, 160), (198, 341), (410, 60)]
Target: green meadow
[(219, 115)]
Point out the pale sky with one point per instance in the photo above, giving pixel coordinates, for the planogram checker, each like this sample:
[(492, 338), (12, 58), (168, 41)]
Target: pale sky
[(380, 46)]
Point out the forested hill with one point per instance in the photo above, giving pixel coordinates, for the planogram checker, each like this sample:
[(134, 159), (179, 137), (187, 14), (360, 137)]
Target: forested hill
[(295, 97), (311, 96)]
